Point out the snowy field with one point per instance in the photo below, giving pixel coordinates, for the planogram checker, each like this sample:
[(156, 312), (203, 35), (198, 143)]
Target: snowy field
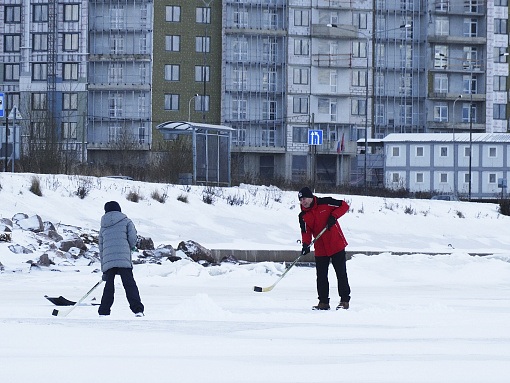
[(413, 318)]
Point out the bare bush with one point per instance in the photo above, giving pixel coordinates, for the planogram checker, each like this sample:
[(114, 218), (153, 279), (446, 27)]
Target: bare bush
[(133, 196), (161, 198), (35, 186), (182, 198)]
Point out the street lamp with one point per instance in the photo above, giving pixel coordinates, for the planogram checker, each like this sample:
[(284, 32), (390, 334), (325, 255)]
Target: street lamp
[(454, 148), (367, 37), (189, 105)]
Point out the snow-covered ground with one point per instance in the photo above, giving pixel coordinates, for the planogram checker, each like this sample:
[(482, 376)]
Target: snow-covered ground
[(413, 318)]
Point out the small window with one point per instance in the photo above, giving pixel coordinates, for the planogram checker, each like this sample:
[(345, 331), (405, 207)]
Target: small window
[(203, 15), (443, 151), (467, 151), (172, 72), (71, 12), (395, 151), (173, 13), (69, 101), (202, 73), (492, 152), (69, 130), (171, 102), (466, 178), (173, 43), (419, 178), (300, 134), (443, 177), (419, 151), (395, 177), (492, 178), (70, 71)]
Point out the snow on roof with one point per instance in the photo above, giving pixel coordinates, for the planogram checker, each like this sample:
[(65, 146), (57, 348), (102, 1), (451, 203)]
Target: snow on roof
[(446, 137)]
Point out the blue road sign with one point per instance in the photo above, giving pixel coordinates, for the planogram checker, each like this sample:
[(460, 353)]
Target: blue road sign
[(2, 105), (314, 137)]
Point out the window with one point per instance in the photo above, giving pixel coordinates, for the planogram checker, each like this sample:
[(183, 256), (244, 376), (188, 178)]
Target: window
[(117, 44), (442, 26), (117, 18), (173, 13), (327, 106), (493, 152), (443, 177), (115, 72), (443, 151), (12, 14), (301, 18), (12, 43), (440, 56), (499, 55), (70, 41), (500, 111), (300, 134), (503, 3), (39, 42), (359, 77), (379, 113), (240, 49), (501, 26), (40, 13), (359, 20), (395, 177), (241, 19), (11, 72), (470, 27), (173, 43), (70, 71), (172, 72), (203, 15), (239, 109), (466, 116), (440, 112), (269, 79), (500, 83), (492, 178), (395, 151), (114, 133), (115, 105), (301, 47), (467, 151), (359, 49), (267, 167), (440, 83), (39, 71), (442, 5), (172, 102), (202, 103), (141, 135), (298, 167), (202, 73), (269, 110), (269, 19), (300, 105), (269, 49), (142, 105), (466, 177), (71, 12), (69, 130), (202, 44), (358, 107), (300, 76), (419, 178), (143, 44), (419, 151), (70, 101), (39, 101)]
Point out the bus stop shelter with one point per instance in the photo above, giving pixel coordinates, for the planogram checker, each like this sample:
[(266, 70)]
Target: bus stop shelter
[(211, 145)]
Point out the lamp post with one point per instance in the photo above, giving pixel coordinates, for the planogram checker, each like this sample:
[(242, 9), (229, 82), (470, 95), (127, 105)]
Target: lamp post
[(189, 106), (367, 37), (455, 155)]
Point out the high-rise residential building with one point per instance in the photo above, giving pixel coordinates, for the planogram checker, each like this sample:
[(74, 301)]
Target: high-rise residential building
[(119, 79), (187, 62), (43, 60), (254, 85)]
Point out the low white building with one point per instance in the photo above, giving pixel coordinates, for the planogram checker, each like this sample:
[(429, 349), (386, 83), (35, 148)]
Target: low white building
[(472, 166)]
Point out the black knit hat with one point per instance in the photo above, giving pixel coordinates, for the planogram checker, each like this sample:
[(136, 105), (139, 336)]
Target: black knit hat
[(111, 206), (305, 193)]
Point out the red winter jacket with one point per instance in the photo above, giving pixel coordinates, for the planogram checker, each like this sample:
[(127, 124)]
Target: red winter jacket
[(315, 218)]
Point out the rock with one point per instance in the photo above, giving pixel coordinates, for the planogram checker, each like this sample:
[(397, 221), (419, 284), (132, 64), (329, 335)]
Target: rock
[(18, 249), (44, 260), (143, 243), (33, 223), (67, 244), (196, 251)]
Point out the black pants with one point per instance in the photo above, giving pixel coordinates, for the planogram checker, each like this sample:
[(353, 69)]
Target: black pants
[(132, 294), (322, 266)]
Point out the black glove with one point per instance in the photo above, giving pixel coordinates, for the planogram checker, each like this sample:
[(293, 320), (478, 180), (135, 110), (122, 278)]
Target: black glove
[(104, 277), (331, 221), (306, 249)]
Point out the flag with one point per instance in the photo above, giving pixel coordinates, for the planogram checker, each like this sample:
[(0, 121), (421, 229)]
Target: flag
[(340, 146)]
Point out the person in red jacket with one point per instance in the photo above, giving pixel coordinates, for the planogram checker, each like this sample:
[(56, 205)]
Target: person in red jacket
[(316, 214)]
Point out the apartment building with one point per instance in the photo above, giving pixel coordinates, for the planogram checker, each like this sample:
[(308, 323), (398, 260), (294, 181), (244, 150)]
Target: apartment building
[(254, 84), (43, 59), (187, 62), (119, 80)]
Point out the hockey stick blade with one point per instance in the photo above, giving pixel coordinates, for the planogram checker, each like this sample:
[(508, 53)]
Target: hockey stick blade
[(64, 313)]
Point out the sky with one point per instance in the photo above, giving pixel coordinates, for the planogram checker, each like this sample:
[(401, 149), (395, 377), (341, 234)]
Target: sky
[(414, 316)]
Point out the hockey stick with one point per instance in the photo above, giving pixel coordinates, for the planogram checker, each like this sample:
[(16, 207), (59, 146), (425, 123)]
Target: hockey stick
[(269, 288), (65, 313)]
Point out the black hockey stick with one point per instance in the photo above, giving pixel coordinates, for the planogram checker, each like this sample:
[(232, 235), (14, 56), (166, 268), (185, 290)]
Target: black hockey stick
[(269, 288), (64, 313)]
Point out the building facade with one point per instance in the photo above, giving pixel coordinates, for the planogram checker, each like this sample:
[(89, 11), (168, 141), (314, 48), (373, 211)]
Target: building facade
[(470, 166)]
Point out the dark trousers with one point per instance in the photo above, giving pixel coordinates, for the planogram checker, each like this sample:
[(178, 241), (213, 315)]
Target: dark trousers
[(322, 267), (132, 294)]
